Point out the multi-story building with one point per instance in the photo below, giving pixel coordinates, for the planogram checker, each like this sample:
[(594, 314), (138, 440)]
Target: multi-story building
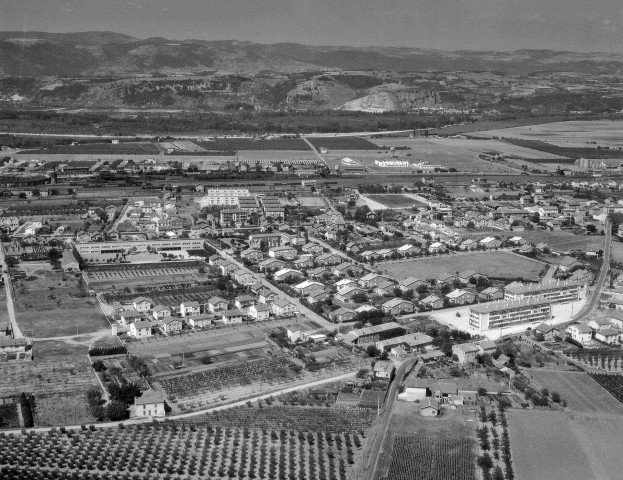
[(557, 291), (224, 196), (489, 316), (140, 246), (233, 215)]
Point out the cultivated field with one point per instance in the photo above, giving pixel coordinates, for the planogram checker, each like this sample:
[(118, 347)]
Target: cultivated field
[(61, 376), (54, 410), (258, 446), (579, 390), (560, 240), (106, 276), (494, 265), (568, 134), (612, 383), (312, 202), (432, 458), (543, 446)]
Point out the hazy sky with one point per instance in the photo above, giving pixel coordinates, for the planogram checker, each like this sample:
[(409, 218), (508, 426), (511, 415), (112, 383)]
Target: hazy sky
[(577, 25)]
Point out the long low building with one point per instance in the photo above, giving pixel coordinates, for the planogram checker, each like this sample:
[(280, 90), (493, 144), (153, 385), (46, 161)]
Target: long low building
[(503, 314), (141, 246), (372, 334), (558, 291)]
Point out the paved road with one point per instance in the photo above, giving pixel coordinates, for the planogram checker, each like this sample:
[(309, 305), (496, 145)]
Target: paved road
[(371, 466), (302, 308), (10, 306)]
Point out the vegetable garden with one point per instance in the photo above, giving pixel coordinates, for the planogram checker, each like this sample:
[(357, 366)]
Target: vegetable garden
[(432, 458), (181, 450), (612, 383)]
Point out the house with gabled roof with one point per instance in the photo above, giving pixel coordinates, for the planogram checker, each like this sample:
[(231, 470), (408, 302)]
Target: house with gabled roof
[(411, 283), (398, 306), (260, 311), (142, 304), (170, 324), (432, 301), (217, 304), (160, 311), (460, 297), (189, 308), (284, 308)]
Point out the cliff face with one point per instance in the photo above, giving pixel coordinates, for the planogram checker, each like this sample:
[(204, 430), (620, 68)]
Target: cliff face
[(388, 101)]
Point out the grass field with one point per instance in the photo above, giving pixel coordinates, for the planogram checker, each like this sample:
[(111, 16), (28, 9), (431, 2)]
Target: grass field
[(568, 134), (579, 390), (395, 200), (560, 240), (494, 265), (544, 446)]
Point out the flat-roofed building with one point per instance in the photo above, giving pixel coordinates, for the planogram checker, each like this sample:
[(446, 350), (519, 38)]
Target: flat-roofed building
[(224, 196), (552, 290), (140, 246), (492, 315)]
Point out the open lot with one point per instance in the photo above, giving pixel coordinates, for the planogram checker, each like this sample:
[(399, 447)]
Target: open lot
[(579, 390), (50, 304), (560, 240), (493, 264), (544, 446), (569, 134)]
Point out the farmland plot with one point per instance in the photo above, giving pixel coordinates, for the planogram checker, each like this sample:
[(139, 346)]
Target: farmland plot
[(432, 458), (543, 445), (579, 390)]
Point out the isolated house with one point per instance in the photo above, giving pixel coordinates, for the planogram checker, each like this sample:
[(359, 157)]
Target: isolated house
[(149, 404)]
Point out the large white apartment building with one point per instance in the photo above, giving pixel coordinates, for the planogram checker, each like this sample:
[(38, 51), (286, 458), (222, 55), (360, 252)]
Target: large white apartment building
[(502, 314), (224, 196), (141, 246), (557, 291)]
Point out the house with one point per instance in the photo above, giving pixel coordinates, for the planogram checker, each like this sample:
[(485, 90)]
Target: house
[(345, 282), (231, 316), (490, 294), (270, 264), (608, 335), (200, 321), (286, 274), (130, 316), (547, 331), (317, 296), (189, 308), (446, 279), (411, 283), (260, 311), (371, 280), (490, 242), (227, 267), (303, 262), (467, 275), (580, 332), (312, 248), (244, 301), (385, 288), (317, 272), (141, 329), (429, 407), (407, 250), (329, 259), (347, 268), (149, 404), (487, 347), (142, 304), (383, 369), (307, 287), (466, 352), (252, 255), (170, 324), (283, 308), (460, 297), (216, 304), (398, 306), (437, 247), (347, 294), (244, 278), (342, 315), (160, 311), (285, 252), (267, 296), (298, 332), (469, 244), (432, 302)]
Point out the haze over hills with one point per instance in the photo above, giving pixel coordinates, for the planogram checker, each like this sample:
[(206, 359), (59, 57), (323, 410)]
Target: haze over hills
[(109, 53)]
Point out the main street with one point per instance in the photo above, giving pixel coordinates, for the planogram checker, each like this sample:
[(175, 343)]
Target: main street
[(17, 333)]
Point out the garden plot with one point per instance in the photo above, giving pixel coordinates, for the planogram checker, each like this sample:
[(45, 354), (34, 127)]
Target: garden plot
[(395, 201), (504, 265)]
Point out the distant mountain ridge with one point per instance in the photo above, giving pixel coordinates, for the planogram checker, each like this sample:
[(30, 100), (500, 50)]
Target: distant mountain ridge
[(110, 53)]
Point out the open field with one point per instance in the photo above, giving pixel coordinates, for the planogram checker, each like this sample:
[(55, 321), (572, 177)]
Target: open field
[(579, 390), (493, 264), (559, 240), (544, 446), (342, 143), (251, 144), (295, 157), (576, 133), (397, 200), (54, 410), (253, 445), (312, 202)]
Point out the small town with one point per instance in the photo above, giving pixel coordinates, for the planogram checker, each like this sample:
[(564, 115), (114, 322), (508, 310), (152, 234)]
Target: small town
[(311, 241)]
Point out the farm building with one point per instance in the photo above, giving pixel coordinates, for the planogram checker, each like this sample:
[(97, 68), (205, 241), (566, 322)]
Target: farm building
[(372, 334), (150, 404), (486, 316), (429, 407)]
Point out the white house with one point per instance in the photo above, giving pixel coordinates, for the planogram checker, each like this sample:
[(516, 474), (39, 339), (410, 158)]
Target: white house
[(580, 332), (141, 329), (150, 404), (260, 312), (283, 308)]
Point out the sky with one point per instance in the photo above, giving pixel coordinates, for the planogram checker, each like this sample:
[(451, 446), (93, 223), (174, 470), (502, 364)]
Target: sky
[(573, 25)]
